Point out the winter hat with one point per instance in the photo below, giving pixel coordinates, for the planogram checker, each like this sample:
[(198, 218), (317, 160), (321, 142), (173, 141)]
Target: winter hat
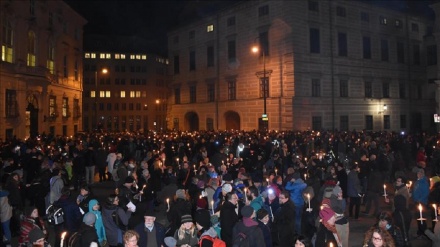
[(326, 213), (180, 194), (28, 210), (296, 175), (247, 211), (227, 177), (201, 203), (336, 190), (203, 218), (89, 218), (261, 213), (149, 212), (226, 188), (186, 218), (35, 235), (129, 180), (170, 242), (328, 191)]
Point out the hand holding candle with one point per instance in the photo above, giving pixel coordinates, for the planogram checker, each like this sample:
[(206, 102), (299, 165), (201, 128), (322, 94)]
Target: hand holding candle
[(168, 203), (308, 199)]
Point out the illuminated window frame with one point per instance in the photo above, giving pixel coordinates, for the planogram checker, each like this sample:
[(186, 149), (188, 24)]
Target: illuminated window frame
[(107, 94), (122, 94), (210, 28)]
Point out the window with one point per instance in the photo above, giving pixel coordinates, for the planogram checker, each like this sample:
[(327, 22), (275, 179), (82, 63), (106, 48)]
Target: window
[(343, 88), (343, 123), (130, 106), (369, 122), (365, 17), (263, 10), (264, 87), (192, 34), (176, 124), (176, 65), (398, 23), (65, 71), (382, 20), (342, 44), (402, 90), (92, 94), (11, 107), (31, 49), (76, 71), (101, 94), (7, 33), (76, 108), (416, 54), (50, 65), (314, 6), (414, 27), (231, 90), (314, 41), (366, 44), (192, 94), (52, 106), (211, 92), (340, 11), (192, 60), (386, 90), (316, 88), (132, 94), (122, 94), (210, 56), (384, 51), (386, 122), (123, 106), (316, 123), (368, 88), (209, 124), (107, 94), (400, 52), (177, 96), (124, 122), (403, 121), (210, 28), (431, 55), (230, 21), (231, 51), (65, 109), (138, 106)]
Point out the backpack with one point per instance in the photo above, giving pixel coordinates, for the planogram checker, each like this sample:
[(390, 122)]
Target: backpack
[(55, 215), (242, 238), (74, 240), (216, 242)]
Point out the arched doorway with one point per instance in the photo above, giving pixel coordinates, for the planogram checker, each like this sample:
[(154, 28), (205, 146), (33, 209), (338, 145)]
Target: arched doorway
[(192, 121), (232, 120), (32, 116)]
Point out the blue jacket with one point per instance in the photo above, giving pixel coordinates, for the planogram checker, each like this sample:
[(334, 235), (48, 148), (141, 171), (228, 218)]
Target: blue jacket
[(257, 203), (296, 188), (99, 224), (421, 191), (353, 184)]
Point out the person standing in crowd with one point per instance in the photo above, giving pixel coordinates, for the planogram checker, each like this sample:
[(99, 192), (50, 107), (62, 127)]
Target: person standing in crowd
[(264, 225), (296, 186), (378, 237), (283, 226), (338, 205), (203, 224), (386, 223), (5, 215), (186, 235), (89, 158), (354, 191), (327, 232), (302, 241), (99, 224), (30, 221), (249, 227), (87, 232), (101, 162), (402, 190), (228, 217), (37, 238), (420, 194), (151, 233), (72, 215), (131, 238), (84, 197), (180, 207), (115, 220)]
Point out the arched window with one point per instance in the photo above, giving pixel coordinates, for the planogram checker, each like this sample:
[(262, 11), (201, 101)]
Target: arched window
[(31, 49), (7, 38)]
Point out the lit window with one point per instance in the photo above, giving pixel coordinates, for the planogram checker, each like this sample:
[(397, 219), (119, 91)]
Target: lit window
[(31, 50), (122, 56), (138, 94), (210, 28), (102, 55), (101, 94), (92, 94), (87, 55), (6, 42), (122, 94), (132, 94), (117, 56), (383, 20), (144, 57), (107, 94), (108, 56), (132, 57), (138, 57), (93, 55)]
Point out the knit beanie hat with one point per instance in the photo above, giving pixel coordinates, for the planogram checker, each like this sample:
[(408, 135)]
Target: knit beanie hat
[(336, 190), (186, 218), (261, 213), (35, 235), (326, 213), (226, 188), (328, 191), (89, 218), (180, 194), (202, 203), (247, 211), (203, 218)]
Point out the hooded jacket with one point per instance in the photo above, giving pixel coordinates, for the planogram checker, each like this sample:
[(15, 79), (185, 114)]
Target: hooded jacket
[(99, 224)]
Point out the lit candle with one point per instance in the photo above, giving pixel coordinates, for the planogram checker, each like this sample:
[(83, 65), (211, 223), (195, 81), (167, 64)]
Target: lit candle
[(276, 172), (384, 190), (308, 199), (331, 245), (245, 195), (212, 206), (420, 209), (168, 203), (305, 176), (435, 210), (63, 235)]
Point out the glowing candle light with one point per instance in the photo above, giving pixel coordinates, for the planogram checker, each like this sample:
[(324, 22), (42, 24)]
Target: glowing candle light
[(212, 206), (420, 209), (168, 203), (276, 172), (384, 190), (305, 176), (245, 195), (435, 210), (63, 235), (308, 199)]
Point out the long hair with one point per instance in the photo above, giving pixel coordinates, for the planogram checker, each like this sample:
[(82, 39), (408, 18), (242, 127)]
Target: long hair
[(182, 231), (387, 239)]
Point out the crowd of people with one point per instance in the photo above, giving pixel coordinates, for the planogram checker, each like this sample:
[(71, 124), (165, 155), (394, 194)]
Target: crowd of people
[(241, 188)]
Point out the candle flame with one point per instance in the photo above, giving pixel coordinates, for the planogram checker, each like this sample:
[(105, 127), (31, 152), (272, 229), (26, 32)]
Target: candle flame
[(308, 195), (434, 206), (420, 207), (63, 235), (168, 200), (384, 186)]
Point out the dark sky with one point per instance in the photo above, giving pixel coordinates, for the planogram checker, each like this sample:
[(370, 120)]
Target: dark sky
[(151, 19)]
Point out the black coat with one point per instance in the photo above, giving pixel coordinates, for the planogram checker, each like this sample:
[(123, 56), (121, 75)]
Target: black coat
[(88, 235), (160, 234), (177, 209), (228, 218), (265, 229), (283, 230), (253, 233), (324, 237)]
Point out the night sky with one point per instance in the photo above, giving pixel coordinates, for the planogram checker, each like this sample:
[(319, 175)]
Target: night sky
[(151, 19)]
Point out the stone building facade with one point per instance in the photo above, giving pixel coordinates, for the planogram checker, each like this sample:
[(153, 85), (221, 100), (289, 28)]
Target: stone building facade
[(40, 68), (327, 65)]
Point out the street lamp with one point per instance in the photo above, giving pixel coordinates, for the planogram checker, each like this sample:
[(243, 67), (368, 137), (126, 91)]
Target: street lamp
[(103, 71), (256, 49)]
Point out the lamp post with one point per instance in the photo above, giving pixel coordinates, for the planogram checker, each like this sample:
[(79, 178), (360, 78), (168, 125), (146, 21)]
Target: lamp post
[(256, 49), (103, 71)]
